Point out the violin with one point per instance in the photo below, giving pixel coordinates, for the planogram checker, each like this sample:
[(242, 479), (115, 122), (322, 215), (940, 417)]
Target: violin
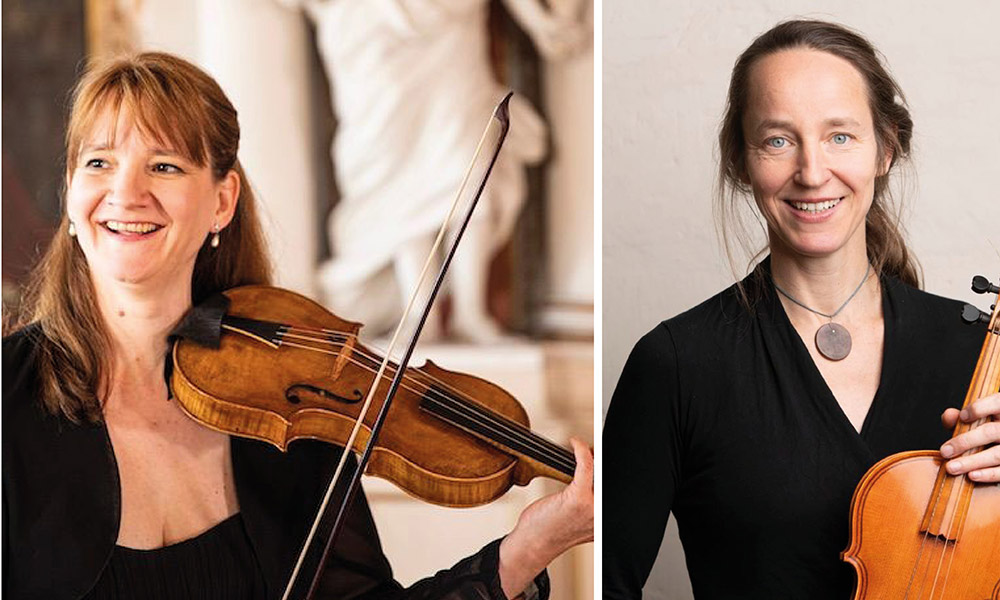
[(269, 364), (919, 533), (266, 363)]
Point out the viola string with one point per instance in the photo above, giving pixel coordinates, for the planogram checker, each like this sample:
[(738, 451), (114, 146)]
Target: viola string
[(954, 549), (966, 486), (548, 449), (935, 539), (987, 383), (923, 544), (990, 363), (427, 389)]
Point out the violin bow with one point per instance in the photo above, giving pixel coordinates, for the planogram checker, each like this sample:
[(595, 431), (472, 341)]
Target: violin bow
[(499, 119)]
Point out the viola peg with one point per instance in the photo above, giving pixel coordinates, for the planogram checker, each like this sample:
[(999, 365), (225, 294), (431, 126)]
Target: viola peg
[(971, 314), (981, 285)]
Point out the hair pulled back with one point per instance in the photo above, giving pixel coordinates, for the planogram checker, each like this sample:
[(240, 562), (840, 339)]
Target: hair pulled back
[(168, 99), (893, 126)]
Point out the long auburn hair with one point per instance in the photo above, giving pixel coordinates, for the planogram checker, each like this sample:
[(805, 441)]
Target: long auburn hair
[(169, 99), (893, 126)]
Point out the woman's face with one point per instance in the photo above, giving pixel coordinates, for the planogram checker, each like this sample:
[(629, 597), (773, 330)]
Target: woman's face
[(811, 151), (141, 210)]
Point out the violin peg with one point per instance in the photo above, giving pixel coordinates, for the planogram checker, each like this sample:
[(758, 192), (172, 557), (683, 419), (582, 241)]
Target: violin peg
[(981, 285)]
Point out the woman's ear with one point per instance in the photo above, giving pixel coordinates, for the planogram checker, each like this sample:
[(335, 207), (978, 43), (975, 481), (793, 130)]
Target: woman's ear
[(227, 195), (886, 163)]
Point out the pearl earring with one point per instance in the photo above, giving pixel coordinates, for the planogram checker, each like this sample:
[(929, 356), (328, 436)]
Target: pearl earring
[(72, 229), (215, 236)]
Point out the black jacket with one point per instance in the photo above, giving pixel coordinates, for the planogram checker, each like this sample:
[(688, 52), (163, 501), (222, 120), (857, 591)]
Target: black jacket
[(62, 503)]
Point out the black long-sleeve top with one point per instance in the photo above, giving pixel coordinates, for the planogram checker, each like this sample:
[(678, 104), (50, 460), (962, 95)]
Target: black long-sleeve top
[(61, 509), (722, 418)]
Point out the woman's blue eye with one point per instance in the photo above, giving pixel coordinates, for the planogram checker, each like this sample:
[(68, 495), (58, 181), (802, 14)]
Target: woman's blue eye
[(777, 142), (840, 139), (95, 163)]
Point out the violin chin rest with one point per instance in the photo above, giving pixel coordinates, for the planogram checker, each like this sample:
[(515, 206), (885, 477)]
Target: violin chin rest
[(203, 323)]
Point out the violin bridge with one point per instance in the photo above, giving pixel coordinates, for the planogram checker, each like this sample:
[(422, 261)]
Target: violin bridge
[(344, 355)]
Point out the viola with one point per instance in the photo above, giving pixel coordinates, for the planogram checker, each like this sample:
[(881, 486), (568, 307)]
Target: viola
[(269, 364), (919, 533)]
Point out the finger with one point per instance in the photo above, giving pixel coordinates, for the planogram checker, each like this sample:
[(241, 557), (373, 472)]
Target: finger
[(949, 418), (983, 407), (584, 471), (987, 433), (991, 475), (984, 460)]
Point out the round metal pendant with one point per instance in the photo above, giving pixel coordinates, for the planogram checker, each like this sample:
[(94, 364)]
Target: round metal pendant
[(833, 341)]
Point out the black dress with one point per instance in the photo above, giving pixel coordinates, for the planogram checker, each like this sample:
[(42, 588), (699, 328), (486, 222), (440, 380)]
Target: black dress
[(722, 417), (217, 565), (61, 509)]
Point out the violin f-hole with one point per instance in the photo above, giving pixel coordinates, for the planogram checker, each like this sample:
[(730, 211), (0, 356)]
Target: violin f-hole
[(294, 394)]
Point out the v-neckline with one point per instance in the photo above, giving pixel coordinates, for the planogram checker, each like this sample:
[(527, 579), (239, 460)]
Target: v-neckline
[(815, 378)]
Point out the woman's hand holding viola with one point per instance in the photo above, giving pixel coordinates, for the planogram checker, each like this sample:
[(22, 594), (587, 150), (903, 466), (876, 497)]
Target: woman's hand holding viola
[(982, 466)]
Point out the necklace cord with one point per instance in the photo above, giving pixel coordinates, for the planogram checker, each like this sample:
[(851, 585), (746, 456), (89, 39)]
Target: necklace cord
[(868, 270)]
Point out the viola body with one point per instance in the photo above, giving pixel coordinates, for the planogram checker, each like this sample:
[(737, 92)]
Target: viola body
[(313, 385), (902, 550), (918, 533)]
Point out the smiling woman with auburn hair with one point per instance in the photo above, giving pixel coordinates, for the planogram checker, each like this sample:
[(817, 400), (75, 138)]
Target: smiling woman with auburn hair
[(755, 414), (109, 489)]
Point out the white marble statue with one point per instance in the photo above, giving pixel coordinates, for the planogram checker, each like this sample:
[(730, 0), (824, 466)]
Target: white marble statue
[(412, 89)]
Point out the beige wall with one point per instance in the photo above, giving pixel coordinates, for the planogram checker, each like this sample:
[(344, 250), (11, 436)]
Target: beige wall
[(665, 72)]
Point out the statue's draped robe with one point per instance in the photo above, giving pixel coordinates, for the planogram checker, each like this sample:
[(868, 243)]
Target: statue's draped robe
[(412, 90)]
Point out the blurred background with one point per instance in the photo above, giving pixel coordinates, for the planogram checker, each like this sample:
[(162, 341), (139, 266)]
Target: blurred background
[(666, 70), (358, 120)]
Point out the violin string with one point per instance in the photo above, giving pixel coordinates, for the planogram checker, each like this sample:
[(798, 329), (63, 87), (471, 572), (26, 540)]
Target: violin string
[(555, 455), (510, 442), (984, 386), (324, 340), (548, 449), (459, 394)]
